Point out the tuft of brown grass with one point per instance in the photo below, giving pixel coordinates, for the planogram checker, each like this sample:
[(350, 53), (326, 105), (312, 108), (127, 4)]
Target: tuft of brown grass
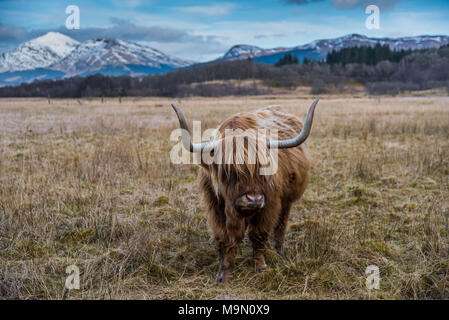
[(91, 184)]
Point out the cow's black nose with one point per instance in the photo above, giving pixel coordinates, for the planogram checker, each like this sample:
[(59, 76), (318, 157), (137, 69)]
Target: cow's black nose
[(250, 201), (255, 201)]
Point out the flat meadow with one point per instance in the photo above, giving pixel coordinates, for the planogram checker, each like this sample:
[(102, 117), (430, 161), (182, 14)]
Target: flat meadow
[(90, 183)]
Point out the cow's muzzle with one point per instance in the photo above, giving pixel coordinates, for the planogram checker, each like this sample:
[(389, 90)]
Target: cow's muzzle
[(250, 201)]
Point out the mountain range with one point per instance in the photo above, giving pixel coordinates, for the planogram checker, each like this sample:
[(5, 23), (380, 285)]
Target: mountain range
[(318, 49), (55, 56)]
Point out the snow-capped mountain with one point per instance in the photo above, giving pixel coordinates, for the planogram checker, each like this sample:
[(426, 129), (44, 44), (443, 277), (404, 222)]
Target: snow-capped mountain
[(318, 49), (96, 55), (55, 56), (357, 40), (37, 53), (243, 51)]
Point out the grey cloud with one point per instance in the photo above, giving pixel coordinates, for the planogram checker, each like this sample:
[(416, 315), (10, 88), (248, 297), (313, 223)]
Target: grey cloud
[(126, 30), (300, 2), (171, 40), (346, 4), (10, 33), (120, 29), (264, 36), (349, 4)]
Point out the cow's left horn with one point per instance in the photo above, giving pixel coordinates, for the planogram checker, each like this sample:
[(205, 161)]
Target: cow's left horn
[(186, 141), (301, 137)]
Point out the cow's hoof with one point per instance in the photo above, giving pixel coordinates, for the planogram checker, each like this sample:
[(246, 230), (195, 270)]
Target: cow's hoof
[(261, 268), (223, 277)]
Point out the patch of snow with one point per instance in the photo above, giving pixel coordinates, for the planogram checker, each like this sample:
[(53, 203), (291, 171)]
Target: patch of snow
[(13, 79), (94, 55), (38, 53)]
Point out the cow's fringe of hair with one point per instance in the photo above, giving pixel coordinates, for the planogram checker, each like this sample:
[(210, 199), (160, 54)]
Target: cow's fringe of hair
[(243, 154)]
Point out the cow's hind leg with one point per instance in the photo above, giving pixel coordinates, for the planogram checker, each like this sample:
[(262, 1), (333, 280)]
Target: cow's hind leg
[(281, 227)]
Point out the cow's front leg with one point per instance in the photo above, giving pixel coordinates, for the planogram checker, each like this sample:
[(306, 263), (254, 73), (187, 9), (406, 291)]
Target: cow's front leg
[(226, 257), (235, 229), (259, 240), (280, 228)]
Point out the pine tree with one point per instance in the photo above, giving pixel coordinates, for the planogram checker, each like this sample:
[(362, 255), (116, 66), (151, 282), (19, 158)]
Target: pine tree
[(287, 59)]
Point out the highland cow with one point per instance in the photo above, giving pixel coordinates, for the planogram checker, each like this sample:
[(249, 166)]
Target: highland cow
[(237, 196)]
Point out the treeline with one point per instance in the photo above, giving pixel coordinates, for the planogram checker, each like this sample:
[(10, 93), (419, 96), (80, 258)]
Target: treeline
[(287, 59), (191, 81), (419, 70), (366, 55)]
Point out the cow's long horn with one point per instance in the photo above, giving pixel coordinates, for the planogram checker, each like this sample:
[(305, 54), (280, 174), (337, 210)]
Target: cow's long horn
[(301, 137), (186, 141)]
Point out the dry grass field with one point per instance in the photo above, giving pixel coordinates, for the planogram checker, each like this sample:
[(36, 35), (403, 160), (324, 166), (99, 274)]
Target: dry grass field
[(91, 184)]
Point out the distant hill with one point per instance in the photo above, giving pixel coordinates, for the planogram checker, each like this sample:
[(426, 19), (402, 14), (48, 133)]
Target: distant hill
[(55, 56), (40, 52), (318, 49), (126, 58)]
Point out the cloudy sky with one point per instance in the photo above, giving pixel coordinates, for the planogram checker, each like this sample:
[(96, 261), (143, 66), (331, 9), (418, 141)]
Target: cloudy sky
[(203, 30)]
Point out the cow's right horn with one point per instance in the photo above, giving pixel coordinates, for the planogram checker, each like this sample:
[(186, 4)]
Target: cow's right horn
[(186, 140)]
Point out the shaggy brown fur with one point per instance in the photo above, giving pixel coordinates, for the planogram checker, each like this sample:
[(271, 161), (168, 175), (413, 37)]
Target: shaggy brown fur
[(221, 184)]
